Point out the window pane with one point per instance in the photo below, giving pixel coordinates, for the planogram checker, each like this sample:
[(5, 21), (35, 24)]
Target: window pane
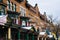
[(23, 23), (16, 21), (1, 0), (22, 11), (8, 4), (2, 10), (14, 7)]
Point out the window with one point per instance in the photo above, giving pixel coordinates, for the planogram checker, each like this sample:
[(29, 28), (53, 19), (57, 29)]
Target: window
[(22, 11), (14, 18), (27, 23), (11, 6), (2, 10), (14, 7), (23, 23), (8, 4), (15, 21), (1, 0)]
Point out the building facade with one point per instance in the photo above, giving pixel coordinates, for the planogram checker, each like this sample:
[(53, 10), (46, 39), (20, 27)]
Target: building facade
[(18, 20), (21, 21)]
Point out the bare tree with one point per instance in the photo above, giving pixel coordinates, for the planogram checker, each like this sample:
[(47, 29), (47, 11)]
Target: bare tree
[(55, 24), (52, 19)]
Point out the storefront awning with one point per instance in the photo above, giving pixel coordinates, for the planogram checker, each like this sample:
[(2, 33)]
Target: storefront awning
[(3, 19), (50, 36), (28, 28), (42, 33)]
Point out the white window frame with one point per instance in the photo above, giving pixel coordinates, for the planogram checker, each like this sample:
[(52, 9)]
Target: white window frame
[(8, 5), (22, 11), (14, 7), (23, 23)]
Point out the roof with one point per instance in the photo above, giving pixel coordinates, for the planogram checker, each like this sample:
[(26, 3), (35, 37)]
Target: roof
[(30, 5), (42, 17)]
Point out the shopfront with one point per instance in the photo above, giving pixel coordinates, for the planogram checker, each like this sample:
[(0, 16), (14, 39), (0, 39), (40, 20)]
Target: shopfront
[(3, 32)]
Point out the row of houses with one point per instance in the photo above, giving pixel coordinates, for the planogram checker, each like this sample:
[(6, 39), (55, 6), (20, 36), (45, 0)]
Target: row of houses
[(21, 21)]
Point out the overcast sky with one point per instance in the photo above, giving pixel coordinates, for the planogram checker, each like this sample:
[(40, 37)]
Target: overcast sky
[(51, 7)]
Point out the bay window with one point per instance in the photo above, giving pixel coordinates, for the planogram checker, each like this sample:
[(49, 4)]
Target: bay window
[(14, 18), (11, 6)]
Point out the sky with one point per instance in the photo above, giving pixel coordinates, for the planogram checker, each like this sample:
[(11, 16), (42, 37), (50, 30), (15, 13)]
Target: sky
[(51, 7)]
